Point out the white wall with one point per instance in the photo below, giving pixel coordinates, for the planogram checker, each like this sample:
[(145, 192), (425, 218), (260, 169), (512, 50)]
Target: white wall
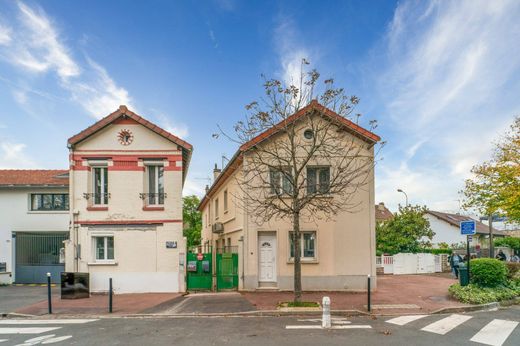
[(16, 216), (444, 232)]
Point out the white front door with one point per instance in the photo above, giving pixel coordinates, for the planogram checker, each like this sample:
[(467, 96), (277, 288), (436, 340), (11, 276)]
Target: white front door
[(267, 258)]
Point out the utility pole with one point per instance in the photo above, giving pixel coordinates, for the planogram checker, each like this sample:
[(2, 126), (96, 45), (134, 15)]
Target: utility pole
[(491, 245)]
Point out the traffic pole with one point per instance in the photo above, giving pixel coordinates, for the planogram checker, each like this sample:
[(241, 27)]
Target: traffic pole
[(368, 296), (110, 293), (467, 253), (49, 296)]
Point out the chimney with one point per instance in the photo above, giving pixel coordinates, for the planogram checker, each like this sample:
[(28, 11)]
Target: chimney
[(216, 172), (207, 189), (381, 206)]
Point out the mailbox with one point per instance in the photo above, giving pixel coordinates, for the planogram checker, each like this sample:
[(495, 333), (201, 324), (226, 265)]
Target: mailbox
[(192, 266), (205, 266)]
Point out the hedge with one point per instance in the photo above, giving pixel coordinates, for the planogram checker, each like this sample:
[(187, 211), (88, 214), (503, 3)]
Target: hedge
[(473, 294), (488, 272)]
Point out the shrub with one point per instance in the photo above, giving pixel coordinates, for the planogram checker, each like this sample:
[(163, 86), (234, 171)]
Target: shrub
[(513, 270), (473, 294), (488, 272)]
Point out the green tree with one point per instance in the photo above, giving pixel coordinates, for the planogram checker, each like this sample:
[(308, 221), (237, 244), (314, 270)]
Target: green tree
[(407, 231), (513, 243), (495, 186), (192, 220)]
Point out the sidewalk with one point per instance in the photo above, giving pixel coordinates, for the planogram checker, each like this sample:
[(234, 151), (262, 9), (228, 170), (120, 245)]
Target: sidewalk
[(395, 294), (123, 304)]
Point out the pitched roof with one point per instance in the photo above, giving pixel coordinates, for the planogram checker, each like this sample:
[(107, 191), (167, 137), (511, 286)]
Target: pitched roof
[(124, 113), (382, 212), (455, 219), (33, 177), (313, 105)]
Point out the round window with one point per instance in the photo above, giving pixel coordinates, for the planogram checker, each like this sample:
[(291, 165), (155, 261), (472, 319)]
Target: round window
[(308, 134), (125, 137)]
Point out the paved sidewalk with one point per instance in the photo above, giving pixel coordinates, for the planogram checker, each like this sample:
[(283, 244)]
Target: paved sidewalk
[(208, 303), (395, 294), (123, 304)]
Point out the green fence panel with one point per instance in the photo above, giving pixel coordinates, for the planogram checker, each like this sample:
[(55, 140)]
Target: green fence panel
[(199, 272), (227, 271)]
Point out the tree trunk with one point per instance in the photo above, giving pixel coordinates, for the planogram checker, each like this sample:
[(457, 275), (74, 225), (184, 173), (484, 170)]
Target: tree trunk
[(491, 245), (297, 258)]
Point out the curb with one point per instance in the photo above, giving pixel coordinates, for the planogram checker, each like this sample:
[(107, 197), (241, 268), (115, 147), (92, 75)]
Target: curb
[(471, 308)]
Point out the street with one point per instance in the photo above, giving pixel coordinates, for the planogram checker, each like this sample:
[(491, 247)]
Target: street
[(491, 328)]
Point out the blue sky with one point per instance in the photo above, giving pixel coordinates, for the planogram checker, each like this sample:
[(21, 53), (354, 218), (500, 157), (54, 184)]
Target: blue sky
[(441, 77)]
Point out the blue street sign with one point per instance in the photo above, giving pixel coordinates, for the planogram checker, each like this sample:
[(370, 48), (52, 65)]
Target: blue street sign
[(468, 227)]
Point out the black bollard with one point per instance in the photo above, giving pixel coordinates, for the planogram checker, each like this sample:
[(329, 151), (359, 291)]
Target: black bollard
[(49, 292), (110, 293), (368, 286)]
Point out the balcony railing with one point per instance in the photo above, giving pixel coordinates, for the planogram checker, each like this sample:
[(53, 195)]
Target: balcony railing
[(153, 198), (97, 198)]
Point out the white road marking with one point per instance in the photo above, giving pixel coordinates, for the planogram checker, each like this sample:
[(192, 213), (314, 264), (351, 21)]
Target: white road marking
[(54, 340), (3, 340), (40, 338), (446, 324), (333, 327), (402, 320), (30, 330), (56, 321), (333, 320), (495, 332)]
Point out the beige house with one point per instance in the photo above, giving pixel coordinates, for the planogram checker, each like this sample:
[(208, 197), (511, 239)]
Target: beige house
[(336, 254), (126, 180)]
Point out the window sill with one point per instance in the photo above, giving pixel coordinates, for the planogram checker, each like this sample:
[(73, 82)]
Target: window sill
[(97, 208), (153, 208), (305, 261), (47, 212), (102, 263)]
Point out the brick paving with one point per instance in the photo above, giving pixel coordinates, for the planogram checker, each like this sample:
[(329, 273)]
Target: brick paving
[(97, 304), (428, 292)]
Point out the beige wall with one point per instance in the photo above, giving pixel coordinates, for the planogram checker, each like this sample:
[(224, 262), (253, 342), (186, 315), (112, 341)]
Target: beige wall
[(142, 262), (345, 245)]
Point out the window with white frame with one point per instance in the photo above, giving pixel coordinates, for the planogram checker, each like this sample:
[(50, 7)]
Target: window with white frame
[(307, 245), (104, 248), (216, 209), (155, 184), (49, 201), (280, 181), (225, 201), (100, 185), (318, 180)]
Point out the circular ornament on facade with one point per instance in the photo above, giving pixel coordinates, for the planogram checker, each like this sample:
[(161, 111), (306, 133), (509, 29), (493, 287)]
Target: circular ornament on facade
[(125, 137), (308, 134)]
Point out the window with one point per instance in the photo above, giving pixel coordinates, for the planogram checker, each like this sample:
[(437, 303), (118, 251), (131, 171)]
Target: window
[(307, 245), (280, 181), (100, 185), (49, 201), (318, 179), (104, 247), (225, 201), (216, 209), (308, 134), (156, 185)]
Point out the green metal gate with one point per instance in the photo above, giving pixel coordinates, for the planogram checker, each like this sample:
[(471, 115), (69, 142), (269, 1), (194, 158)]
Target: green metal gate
[(199, 271), (227, 269), (36, 254)]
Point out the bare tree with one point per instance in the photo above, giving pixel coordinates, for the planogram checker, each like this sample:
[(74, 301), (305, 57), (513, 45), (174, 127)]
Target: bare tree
[(315, 161)]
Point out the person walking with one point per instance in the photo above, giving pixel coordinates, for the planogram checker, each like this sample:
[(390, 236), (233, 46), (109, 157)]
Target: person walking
[(515, 258), (455, 260)]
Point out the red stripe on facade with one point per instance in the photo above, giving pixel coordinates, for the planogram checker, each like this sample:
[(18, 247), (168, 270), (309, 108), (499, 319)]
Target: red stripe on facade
[(127, 222), (172, 167)]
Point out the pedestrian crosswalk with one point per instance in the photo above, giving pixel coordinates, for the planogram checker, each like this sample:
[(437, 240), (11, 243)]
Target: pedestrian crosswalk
[(16, 331), (494, 333)]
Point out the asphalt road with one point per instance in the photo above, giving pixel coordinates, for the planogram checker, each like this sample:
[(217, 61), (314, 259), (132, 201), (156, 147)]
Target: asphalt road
[(267, 331)]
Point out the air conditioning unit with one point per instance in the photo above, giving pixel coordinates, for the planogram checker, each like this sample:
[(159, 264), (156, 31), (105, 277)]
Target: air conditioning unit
[(218, 227)]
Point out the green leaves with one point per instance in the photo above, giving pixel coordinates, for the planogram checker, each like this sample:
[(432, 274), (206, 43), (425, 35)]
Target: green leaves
[(473, 294), (192, 219), (513, 243), (408, 231), (488, 272)]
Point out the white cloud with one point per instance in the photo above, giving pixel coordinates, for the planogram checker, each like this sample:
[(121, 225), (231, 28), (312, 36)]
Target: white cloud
[(450, 83), (12, 155), (174, 127), (37, 47), (192, 188), (5, 35)]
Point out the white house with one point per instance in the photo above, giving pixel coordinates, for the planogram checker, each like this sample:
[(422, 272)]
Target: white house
[(34, 222), (447, 229)]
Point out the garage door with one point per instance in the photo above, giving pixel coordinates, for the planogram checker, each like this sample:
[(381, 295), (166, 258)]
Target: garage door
[(38, 254)]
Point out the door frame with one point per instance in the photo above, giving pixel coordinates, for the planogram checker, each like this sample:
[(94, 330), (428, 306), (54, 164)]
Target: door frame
[(274, 237)]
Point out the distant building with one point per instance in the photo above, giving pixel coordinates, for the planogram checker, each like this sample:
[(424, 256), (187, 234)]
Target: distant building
[(382, 213), (447, 229)]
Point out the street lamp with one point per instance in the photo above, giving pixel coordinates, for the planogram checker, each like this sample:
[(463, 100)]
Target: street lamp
[(399, 190)]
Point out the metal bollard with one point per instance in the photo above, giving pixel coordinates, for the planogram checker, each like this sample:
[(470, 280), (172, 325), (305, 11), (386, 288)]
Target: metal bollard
[(49, 296), (110, 293), (368, 291), (325, 320)]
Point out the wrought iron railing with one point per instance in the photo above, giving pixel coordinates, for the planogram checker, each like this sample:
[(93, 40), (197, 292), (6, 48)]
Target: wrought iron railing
[(153, 198), (98, 198)]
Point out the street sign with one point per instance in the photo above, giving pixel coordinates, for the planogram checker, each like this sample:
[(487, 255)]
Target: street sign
[(200, 256), (470, 238), (468, 227)]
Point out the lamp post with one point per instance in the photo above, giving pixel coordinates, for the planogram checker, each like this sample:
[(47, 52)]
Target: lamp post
[(399, 190)]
